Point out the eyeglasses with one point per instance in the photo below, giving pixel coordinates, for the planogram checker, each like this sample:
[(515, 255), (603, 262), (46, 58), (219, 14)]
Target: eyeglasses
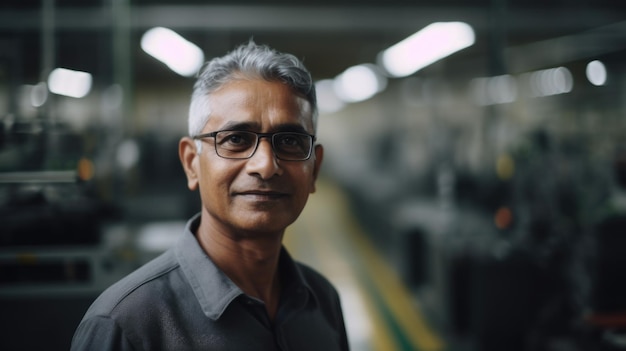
[(236, 144)]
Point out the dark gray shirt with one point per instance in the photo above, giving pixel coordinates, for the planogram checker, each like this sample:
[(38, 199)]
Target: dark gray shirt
[(182, 301)]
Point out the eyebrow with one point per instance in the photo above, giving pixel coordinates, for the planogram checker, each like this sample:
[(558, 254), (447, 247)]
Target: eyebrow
[(234, 125), (248, 126)]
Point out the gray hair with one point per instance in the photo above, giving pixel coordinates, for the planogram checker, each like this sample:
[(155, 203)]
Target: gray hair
[(253, 61)]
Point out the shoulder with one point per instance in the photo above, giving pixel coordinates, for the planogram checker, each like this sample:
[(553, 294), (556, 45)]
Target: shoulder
[(122, 311), (140, 282), (312, 275)]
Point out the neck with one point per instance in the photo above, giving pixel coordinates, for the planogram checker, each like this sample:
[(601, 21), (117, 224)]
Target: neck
[(250, 261)]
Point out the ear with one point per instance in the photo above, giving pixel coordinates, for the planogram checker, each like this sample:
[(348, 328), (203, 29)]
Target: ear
[(189, 159), (319, 157)]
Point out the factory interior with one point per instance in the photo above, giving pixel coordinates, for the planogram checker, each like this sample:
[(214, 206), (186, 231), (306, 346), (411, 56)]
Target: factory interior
[(473, 199)]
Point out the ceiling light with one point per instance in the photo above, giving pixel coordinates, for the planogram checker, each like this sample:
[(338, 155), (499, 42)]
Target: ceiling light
[(432, 43), (552, 81), (359, 83), (596, 73), (327, 99), (39, 94), (71, 83), (180, 55)]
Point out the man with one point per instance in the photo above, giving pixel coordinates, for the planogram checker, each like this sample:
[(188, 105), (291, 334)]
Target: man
[(229, 284)]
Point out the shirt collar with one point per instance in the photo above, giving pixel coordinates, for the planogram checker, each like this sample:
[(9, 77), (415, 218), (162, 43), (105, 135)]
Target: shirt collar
[(213, 289)]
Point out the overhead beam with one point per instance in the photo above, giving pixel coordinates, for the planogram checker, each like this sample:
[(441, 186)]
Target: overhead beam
[(319, 18), (558, 51)]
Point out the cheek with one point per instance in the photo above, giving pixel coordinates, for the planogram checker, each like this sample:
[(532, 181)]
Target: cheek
[(215, 178), (305, 178)]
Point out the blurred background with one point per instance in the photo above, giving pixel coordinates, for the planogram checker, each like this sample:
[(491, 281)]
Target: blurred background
[(472, 197)]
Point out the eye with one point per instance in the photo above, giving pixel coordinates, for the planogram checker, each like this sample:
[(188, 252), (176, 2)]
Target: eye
[(290, 140), (235, 139), (293, 144)]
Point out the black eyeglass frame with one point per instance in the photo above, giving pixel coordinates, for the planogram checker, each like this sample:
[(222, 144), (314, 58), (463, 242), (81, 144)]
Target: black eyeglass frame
[(269, 136)]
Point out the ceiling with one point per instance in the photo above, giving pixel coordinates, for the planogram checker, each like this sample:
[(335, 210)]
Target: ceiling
[(102, 36)]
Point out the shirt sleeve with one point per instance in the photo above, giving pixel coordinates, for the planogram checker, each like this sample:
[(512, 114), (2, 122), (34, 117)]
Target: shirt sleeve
[(100, 333)]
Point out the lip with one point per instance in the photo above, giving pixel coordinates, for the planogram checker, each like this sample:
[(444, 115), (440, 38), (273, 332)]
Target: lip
[(263, 195)]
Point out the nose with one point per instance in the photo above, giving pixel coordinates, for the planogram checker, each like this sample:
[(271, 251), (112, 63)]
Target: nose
[(263, 163)]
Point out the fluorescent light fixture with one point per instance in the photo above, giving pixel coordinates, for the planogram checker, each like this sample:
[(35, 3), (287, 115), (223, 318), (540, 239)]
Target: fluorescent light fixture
[(70, 83), (327, 99), (552, 81), (596, 73), (180, 55), (359, 83), (494, 90), (432, 43), (38, 94)]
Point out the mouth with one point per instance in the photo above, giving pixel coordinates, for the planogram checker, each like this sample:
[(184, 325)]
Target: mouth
[(262, 195)]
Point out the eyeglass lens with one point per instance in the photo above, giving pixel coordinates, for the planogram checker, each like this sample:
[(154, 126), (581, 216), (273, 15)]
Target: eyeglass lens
[(286, 145)]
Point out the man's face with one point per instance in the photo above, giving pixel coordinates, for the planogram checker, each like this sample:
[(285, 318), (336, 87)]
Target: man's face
[(262, 193)]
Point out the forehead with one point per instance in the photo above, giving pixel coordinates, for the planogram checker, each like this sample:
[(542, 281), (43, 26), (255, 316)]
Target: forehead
[(255, 101)]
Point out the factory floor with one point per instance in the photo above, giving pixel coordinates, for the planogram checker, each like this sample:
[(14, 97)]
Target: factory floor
[(380, 311)]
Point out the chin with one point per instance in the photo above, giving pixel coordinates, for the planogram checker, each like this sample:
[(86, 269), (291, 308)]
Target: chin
[(267, 224)]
